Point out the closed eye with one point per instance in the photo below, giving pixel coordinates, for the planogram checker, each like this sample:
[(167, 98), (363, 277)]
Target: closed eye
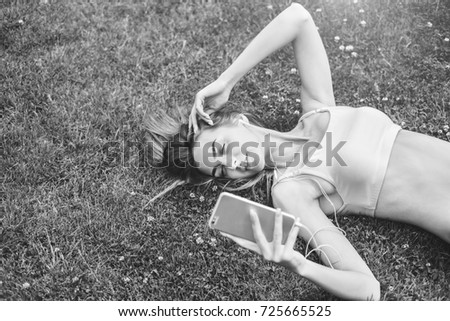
[(222, 171)]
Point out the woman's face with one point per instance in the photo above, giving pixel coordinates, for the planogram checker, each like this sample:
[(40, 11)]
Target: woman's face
[(230, 150)]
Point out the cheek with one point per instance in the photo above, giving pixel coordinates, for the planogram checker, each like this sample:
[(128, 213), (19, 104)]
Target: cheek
[(255, 154)]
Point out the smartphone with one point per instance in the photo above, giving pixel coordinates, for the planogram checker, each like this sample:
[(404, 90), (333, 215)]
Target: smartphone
[(231, 215)]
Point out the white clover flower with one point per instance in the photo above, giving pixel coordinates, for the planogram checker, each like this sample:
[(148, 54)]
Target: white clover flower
[(349, 48), (445, 128), (145, 280), (298, 100), (269, 72), (319, 10), (344, 20), (201, 198), (361, 10), (20, 22), (403, 124), (337, 38), (296, 113), (428, 264), (26, 285), (391, 288), (363, 23), (446, 39), (385, 99), (354, 54), (405, 246), (75, 279), (160, 258), (265, 97), (192, 195), (270, 7), (293, 71), (429, 24), (440, 132), (126, 279), (342, 47), (121, 258), (179, 273), (213, 241), (199, 240), (214, 188), (355, 1)]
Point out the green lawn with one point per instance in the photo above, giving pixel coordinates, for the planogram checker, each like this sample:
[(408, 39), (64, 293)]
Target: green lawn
[(77, 76)]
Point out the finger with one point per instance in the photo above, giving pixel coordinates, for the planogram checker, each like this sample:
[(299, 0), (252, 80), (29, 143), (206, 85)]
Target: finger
[(190, 127), (244, 243), (293, 234), (258, 234), (193, 121), (199, 102), (277, 236), (278, 227)]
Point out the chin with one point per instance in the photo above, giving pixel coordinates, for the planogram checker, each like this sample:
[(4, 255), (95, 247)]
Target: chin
[(255, 170)]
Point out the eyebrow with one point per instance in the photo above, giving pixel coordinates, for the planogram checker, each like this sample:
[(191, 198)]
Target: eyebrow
[(214, 147), (214, 170)]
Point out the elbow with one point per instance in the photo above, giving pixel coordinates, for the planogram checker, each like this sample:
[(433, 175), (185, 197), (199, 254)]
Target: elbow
[(374, 290), (298, 13)]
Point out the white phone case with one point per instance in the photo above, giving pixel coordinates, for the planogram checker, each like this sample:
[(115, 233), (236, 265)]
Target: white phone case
[(231, 215)]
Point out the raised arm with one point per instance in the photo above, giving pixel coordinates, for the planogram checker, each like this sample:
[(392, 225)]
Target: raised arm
[(294, 25)]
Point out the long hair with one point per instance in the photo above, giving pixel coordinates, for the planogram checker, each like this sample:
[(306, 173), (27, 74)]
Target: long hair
[(172, 150)]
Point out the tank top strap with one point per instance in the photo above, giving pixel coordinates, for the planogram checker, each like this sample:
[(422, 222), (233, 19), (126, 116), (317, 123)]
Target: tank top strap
[(312, 112)]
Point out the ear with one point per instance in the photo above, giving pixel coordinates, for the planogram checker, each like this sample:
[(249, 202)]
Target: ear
[(243, 118)]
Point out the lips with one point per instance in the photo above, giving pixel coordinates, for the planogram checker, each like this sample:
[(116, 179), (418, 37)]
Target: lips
[(244, 165)]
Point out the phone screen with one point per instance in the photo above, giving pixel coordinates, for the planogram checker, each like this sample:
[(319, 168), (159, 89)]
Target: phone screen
[(232, 215)]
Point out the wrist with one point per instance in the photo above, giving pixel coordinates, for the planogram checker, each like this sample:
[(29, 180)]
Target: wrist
[(228, 79), (300, 264)]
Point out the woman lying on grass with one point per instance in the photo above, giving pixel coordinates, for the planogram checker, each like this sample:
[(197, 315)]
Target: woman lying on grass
[(337, 160)]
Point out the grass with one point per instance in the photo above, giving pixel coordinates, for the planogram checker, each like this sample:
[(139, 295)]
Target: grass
[(76, 76)]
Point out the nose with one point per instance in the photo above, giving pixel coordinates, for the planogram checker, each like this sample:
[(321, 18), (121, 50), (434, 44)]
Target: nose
[(234, 164)]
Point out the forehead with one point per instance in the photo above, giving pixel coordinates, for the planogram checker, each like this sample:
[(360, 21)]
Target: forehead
[(201, 145)]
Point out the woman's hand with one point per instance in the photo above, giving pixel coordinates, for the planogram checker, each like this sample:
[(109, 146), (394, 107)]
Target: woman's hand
[(283, 254), (213, 97)]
